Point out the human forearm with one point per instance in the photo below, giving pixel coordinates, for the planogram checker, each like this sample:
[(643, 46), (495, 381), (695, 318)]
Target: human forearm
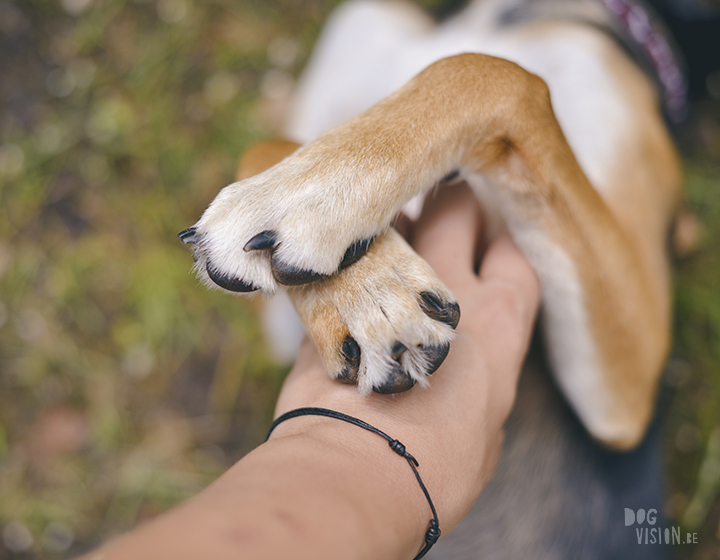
[(321, 490), (324, 489)]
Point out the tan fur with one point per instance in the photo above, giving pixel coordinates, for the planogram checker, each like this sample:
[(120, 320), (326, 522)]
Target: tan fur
[(490, 118), (386, 281), (263, 155)]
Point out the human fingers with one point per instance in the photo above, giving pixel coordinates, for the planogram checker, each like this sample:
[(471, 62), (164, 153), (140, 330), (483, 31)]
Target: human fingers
[(508, 277), (503, 262), (504, 314), (446, 234)]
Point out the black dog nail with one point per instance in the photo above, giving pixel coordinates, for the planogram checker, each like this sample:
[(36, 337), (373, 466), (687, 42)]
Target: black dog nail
[(264, 240), (355, 251), (348, 374), (290, 276), (432, 303), (397, 350), (230, 284), (448, 313), (189, 235), (350, 348), (351, 351), (435, 356), (396, 381)]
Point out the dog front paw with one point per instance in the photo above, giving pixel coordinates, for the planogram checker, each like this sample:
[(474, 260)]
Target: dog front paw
[(298, 222), (385, 323)]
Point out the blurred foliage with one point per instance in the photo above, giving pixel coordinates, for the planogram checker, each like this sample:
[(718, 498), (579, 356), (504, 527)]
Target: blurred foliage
[(124, 386), (692, 425)]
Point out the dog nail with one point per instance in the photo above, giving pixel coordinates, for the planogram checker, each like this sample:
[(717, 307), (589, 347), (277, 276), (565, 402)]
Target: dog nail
[(396, 381), (435, 356), (450, 176), (351, 351), (264, 240), (355, 251), (432, 303), (448, 313), (189, 235), (453, 314), (348, 375), (397, 350), (350, 348), (230, 284), (290, 276)]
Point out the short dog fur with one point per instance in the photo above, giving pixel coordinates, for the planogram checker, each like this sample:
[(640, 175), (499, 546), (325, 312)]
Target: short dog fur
[(561, 136)]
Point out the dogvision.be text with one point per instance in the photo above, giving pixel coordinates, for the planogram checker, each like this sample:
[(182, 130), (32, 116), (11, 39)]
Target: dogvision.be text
[(655, 535)]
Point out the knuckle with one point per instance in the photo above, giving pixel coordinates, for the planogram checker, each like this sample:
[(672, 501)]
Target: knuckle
[(506, 305)]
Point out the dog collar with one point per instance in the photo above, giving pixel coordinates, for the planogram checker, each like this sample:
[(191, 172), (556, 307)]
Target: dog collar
[(642, 32), (634, 26)]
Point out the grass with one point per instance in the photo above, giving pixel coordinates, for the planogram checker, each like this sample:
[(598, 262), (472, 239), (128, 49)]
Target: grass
[(693, 414), (124, 386)]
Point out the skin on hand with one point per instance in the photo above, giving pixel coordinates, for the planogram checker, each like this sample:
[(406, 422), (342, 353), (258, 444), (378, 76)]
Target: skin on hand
[(323, 489), (454, 427)]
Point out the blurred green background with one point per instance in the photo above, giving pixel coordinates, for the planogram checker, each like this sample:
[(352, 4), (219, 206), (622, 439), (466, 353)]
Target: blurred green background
[(125, 387)]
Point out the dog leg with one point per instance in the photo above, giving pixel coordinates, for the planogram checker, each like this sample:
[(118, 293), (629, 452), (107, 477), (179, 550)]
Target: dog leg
[(492, 122), (384, 323)]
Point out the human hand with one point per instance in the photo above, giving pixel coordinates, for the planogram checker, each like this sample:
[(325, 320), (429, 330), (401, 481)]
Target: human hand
[(322, 489), (454, 427)]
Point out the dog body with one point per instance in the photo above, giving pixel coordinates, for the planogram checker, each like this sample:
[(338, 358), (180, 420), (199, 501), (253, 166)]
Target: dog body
[(608, 111), (560, 134)]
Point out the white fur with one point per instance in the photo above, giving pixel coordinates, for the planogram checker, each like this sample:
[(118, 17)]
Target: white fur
[(317, 207), (368, 50), (377, 300), (343, 80), (571, 350)]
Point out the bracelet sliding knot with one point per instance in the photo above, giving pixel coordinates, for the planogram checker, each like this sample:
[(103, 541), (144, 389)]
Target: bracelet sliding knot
[(433, 533), (398, 447)]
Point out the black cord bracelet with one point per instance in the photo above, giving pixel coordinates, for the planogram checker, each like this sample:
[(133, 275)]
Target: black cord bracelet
[(433, 533)]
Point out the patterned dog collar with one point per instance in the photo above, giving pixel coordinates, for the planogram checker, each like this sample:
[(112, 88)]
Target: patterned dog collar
[(643, 29)]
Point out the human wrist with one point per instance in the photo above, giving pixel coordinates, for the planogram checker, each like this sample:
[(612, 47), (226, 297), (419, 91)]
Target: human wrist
[(390, 509), (428, 421)]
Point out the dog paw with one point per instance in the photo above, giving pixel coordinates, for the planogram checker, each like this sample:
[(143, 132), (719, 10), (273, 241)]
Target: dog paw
[(385, 323), (297, 222)]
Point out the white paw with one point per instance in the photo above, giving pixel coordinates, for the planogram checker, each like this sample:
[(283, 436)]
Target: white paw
[(295, 223), (385, 323)]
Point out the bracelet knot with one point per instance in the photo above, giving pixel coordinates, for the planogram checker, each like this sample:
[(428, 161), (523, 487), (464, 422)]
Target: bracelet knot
[(433, 533), (397, 447)]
